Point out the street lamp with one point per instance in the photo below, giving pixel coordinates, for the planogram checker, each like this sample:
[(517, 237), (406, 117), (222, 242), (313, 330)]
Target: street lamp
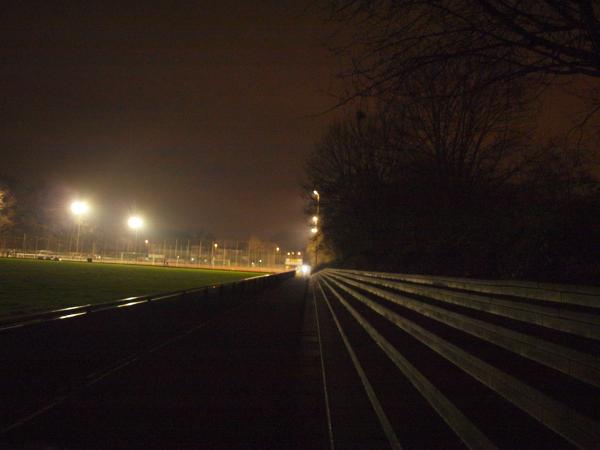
[(79, 208), (135, 223), (314, 230)]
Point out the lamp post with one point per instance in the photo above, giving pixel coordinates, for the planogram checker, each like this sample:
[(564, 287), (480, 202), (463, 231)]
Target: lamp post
[(135, 223), (314, 230), (79, 208)]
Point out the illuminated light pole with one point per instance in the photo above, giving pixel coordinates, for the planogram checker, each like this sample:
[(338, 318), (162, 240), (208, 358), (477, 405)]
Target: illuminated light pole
[(135, 223), (79, 209), (215, 245), (314, 230)]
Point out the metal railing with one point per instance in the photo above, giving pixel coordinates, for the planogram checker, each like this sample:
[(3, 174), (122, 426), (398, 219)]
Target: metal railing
[(447, 302), (569, 294)]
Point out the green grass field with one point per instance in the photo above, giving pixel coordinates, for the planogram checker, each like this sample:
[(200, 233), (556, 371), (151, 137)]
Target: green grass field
[(31, 285)]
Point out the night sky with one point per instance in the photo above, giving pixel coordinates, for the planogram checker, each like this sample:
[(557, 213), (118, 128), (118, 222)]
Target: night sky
[(197, 115)]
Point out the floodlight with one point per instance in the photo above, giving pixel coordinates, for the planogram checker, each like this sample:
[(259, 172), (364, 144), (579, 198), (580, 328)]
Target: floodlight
[(135, 222), (79, 207)]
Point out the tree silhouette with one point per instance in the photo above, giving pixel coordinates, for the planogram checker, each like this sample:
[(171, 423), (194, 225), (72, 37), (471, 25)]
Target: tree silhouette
[(392, 40)]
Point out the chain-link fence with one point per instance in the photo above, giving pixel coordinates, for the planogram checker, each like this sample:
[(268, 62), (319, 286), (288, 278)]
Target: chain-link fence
[(231, 254)]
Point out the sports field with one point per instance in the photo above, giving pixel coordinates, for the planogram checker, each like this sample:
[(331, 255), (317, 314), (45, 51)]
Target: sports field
[(30, 285)]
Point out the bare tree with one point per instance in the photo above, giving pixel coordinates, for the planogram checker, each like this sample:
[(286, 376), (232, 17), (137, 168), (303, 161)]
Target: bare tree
[(354, 166), (391, 40), (468, 136), (7, 203), (419, 172)]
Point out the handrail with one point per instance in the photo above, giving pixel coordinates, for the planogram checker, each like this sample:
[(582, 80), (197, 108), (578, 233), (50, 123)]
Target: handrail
[(565, 421), (367, 386), (570, 294), (582, 366), (461, 425), (582, 324)]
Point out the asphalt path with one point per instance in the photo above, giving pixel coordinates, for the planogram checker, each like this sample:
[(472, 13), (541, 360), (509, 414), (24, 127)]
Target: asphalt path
[(230, 371)]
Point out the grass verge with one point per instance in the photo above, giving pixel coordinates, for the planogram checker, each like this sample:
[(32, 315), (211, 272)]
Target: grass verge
[(31, 285)]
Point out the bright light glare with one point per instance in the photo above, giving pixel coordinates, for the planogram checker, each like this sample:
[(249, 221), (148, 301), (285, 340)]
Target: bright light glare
[(277, 249), (68, 316), (135, 222), (314, 230), (315, 219), (299, 254), (79, 208), (316, 193), (305, 269)]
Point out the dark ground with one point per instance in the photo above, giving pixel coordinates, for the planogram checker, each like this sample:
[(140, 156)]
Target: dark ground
[(237, 381), (246, 369)]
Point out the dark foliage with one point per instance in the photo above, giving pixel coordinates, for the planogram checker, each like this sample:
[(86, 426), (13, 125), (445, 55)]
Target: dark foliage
[(444, 178), (386, 205)]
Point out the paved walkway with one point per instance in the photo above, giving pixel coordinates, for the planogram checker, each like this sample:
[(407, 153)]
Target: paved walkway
[(248, 378)]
